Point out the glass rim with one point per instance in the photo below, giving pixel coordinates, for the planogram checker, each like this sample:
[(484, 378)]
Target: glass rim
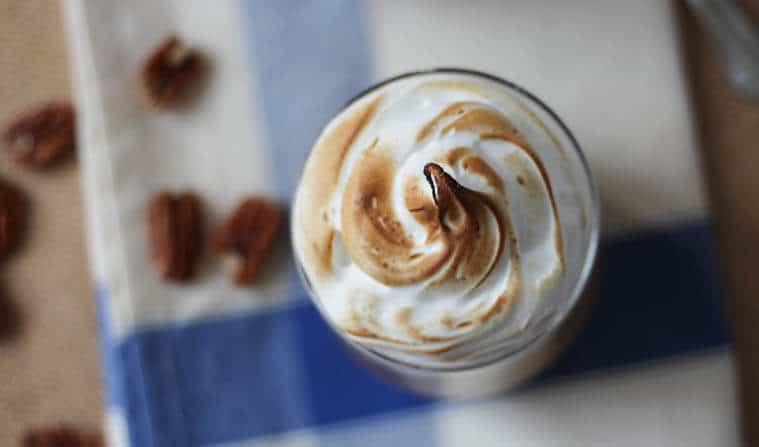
[(593, 219)]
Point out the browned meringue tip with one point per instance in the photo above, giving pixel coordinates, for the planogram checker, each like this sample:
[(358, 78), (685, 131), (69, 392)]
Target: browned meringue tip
[(443, 186), (435, 175)]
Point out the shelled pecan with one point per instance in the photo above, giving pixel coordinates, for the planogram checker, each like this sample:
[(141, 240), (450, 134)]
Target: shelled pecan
[(13, 217), (175, 224), (245, 239), (44, 136), (172, 72), (62, 436)]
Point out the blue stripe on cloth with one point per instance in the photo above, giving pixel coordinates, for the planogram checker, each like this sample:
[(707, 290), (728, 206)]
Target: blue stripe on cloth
[(659, 296), (309, 57), (340, 388), (251, 375), (111, 362), (212, 381), (124, 385)]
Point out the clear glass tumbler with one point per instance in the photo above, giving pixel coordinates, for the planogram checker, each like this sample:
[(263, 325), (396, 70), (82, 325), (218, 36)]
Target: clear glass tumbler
[(520, 358)]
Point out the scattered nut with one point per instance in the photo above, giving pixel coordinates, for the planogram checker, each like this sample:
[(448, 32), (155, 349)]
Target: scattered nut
[(170, 72), (175, 225), (62, 436), (245, 239), (41, 138), (13, 210), (10, 317)]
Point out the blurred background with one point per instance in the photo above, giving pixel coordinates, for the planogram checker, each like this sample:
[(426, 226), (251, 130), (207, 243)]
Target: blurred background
[(670, 355)]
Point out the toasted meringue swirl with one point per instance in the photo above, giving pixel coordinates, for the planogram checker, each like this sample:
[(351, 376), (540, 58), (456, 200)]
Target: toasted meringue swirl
[(426, 220)]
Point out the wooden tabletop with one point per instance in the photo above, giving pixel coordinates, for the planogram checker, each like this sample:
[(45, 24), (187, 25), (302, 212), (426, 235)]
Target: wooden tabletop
[(50, 369), (729, 131)]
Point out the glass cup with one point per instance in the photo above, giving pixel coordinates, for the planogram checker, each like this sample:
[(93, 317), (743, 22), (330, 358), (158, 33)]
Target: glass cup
[(538, 344)]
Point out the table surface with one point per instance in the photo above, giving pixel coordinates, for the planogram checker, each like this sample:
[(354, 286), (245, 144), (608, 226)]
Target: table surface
[(50, 368)]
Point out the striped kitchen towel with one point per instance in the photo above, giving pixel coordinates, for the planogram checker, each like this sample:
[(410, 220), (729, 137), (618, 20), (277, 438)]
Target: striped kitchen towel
[(210, 364)]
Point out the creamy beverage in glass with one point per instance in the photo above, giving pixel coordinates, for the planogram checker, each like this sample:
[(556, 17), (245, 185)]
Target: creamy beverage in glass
[(445, 225)]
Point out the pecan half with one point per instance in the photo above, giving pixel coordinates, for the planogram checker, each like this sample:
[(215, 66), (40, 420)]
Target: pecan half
[(246, 237), (13, 211), (62, 436), (171, 71), (175, 224), (10, 317), (42, 137)]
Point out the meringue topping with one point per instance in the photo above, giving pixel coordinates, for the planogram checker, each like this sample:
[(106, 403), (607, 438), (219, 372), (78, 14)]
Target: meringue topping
[(426, 220)]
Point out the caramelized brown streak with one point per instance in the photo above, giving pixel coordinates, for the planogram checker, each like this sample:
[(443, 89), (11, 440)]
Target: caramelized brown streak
[(463, 217), (320, 178), (370, 329), (372, 235), (490, 124), (420, 205), (403, 316), (454, 155), (457, 108), (559, 246), (469, 161), (487, 124)]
